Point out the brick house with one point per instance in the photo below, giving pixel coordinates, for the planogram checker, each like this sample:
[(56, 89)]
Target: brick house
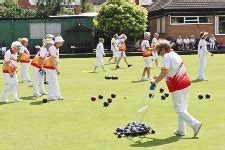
[(171, 18)]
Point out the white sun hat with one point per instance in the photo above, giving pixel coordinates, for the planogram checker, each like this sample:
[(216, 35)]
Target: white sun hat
[(58, 39), (16, 45)]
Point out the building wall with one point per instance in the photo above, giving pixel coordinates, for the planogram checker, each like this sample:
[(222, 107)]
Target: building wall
[(13, 29), (185, 30)]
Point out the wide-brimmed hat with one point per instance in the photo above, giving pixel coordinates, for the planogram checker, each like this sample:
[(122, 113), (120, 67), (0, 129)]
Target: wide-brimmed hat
[(58, 39)]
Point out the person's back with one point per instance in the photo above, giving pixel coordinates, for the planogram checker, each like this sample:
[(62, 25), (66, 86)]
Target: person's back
[(202, 47), (99, 50), (177, 78)]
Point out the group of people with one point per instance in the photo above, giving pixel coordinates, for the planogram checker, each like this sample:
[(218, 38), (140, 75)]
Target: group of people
[(118, 47), (45, 63), (189, 43)]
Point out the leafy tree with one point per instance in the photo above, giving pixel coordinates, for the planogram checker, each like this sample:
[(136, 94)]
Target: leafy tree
[(86, 6), (119, 16), (10, 9), (47, 8)]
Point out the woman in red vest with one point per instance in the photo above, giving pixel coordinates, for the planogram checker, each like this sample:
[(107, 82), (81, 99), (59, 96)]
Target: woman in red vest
[(178, 83)]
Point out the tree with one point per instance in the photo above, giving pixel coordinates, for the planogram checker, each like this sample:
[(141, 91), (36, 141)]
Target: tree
[(10, 9), (86, 6), (46, 8), (119, 16)]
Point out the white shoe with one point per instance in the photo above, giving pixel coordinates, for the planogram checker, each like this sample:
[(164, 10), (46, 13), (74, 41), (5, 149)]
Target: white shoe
[(37, 95), (196, 129), (4, 100), (179, 133), (44, 93), (29, 80), (143, 78), (60, 98), (17, 100)]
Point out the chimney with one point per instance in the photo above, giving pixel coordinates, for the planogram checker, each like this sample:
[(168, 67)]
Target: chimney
[(76, 9)]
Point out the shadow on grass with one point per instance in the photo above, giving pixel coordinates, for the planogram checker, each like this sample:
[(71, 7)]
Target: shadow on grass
[(138, 81), (110, 64), (196, 81), (158, 142), (3, 103), (28, 98), (36, 103)]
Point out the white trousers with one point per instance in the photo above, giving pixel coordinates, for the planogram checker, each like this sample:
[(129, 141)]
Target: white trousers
[(10, 85), (212, 46), (180, 103), (38, 81), (24, 72), (202, 66), (53, 86)]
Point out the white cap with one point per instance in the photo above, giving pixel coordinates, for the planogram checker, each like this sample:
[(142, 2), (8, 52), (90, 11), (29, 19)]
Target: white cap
[(58, 39), (147, 33), (16, 45)]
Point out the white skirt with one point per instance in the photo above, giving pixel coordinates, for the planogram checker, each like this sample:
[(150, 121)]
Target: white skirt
[(122, 54), (154, 56), (147, 61), (115, 53), (99, 62)]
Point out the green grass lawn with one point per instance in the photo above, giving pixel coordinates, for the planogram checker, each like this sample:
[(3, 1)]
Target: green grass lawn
[(79, 123)]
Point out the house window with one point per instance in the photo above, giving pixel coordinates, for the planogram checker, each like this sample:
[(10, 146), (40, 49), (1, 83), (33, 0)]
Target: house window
[(190, 19), (39, 30), (220, 24), (53, 28), (161, 25), (158, 25)]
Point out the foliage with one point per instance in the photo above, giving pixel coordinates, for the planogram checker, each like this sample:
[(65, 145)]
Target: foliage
[(121, 17), (45, 8), (10, 9), (86, 6)]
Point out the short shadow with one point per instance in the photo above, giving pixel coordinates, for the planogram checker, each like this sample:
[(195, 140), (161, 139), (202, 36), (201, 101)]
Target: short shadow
[(196, 81), (158, 142), (92, 72), (30, 86), (138, 81), (3, 103), (110, 64), (36, 103), (117, 68), (28, 98)]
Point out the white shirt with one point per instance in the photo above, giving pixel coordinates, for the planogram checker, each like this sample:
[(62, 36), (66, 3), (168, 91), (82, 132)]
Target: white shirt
[(53, 51), (171, 61), (100, 50), (186, 41), (212, 40), (144, 44), (11, 58), (24, 50), (176, 78), (43, 52), (154, 40), (192, 40), (114, 44), (202, 48), (179, 41)]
